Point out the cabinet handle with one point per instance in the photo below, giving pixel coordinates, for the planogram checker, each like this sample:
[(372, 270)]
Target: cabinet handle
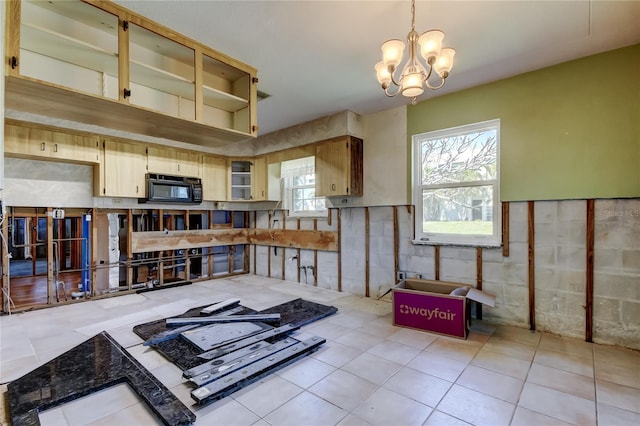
[(333, 186), (42, 146), (136, 189), (55, 147), (178, 167), (14, 62), (126, 93)]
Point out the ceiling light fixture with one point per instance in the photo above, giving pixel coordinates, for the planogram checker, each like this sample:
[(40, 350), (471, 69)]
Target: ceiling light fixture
[(414, 76)]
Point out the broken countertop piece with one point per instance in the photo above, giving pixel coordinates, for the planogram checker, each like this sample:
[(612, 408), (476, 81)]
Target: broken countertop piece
[(220, 319), (96, 364)]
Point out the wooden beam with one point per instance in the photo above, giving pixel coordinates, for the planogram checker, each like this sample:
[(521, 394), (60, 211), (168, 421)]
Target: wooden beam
[(366, 252), (52, 285), (532, 265), (589, 270), (283, 218), (339, 221), (198, 238), (479, 279), (436, 261), (396, 245), (505, 229), (255, 247), (315, 258), (298, 252), (129, 253)]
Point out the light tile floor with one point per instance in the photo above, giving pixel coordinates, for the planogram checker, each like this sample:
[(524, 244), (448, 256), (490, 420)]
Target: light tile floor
[(368, 372)]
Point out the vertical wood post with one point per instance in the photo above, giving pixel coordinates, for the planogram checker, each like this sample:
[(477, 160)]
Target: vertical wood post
[(269, 250), (339, 222), (255, 246), (129, 250), (396, 245), (436, 261), (532, 265), (298, 252), (315, 258), (505, 229), (51, 288), (479, 279), (284, 250), (589, 270), (366, 252)]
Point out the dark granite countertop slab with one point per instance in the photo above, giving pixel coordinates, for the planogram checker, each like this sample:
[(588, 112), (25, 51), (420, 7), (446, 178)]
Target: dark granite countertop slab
[(297, 312), (93, 365)]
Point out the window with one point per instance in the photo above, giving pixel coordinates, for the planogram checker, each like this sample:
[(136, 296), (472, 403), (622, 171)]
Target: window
[(299, 188), (456, 183)]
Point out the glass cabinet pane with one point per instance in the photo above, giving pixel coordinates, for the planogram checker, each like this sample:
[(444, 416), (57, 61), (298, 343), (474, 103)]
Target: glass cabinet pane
[(161, 73), (71, 44), (225, 93)]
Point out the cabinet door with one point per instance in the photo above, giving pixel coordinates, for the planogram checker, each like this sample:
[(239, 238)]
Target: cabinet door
[(125, 167), (41, 144), (26, 142), (188, 163), (75, 148), (214, 178), (259, 179), (67, 43), (332, 168), (161, 160)]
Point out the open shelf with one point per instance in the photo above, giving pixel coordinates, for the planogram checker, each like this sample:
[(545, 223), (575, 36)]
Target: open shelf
[(64, 48), (222, 100), (158, 79)]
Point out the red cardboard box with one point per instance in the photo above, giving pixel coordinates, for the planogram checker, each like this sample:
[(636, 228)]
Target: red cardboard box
[(436, 306)]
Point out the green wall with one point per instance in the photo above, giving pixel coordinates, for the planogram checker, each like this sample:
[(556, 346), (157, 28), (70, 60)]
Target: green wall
[(570, 131)]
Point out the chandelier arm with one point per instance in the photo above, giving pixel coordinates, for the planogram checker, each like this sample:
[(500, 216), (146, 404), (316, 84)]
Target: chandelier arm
[(426, 82), (391, 95), (392, 72)]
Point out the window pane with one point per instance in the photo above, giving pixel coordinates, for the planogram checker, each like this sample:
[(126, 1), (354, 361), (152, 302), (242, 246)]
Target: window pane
[(464, 210), (461, 158)]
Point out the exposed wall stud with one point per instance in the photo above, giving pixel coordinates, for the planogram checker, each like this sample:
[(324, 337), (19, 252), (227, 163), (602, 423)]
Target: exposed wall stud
[(366, 252), (339, 223), (436, 260), (315, 258), (255, 246), (396, 243), (532, 265), (479, 279), (505, 229), (589, 269)]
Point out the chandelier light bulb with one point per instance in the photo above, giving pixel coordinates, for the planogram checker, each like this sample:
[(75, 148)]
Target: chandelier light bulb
[(430, 43), (392, 51), (444, 62), (383, 74)]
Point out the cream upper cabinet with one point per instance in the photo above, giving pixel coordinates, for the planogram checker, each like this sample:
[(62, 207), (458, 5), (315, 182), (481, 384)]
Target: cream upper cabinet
[(96, 62), (169, 161), (259, 179), (33, 142), (124, 169), (214, 178), (339, 167)]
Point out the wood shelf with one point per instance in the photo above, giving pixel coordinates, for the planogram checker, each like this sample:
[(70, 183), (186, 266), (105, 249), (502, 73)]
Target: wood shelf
[(159, 79), (68, 49), (224, 101)]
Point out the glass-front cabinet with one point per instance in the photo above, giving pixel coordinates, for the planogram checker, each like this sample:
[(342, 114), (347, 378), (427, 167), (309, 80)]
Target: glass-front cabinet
[(70, 56), (161, 73), (67, 43)]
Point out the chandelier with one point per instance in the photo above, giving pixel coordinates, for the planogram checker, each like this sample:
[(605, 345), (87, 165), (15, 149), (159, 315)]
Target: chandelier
[(415, 75)]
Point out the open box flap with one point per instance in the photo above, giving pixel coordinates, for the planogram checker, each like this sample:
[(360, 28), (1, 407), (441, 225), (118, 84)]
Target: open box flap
[(481, 297)]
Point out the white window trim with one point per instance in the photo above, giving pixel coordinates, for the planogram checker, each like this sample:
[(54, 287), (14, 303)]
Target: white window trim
[(494, 240)]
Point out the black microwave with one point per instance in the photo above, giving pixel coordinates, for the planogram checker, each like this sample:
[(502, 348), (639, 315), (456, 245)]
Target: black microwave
[(173, 189)]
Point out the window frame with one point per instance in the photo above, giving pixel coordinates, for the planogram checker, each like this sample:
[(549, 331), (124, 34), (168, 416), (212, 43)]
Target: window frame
[(286, 197), (421, 237)]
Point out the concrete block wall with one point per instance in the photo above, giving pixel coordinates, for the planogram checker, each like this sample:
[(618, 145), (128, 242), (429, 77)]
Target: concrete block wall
[(560, 264), (616, 304)]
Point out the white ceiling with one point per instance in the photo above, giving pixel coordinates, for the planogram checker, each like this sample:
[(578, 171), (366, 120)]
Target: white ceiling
[(316, 58)]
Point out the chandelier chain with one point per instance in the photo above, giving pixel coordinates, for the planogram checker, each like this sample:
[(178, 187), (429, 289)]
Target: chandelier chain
[(413, 15)]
